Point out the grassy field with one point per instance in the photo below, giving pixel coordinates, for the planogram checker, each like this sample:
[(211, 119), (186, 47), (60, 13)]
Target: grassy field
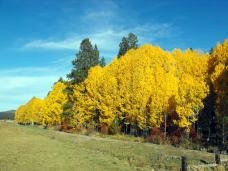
[(30, 148)]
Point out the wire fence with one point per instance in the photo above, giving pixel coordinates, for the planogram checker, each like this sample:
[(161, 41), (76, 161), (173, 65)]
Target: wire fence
[(219, 163), (186, 166)]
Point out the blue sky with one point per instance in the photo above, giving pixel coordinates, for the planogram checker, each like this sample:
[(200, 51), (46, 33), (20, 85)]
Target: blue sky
[(38, 39)]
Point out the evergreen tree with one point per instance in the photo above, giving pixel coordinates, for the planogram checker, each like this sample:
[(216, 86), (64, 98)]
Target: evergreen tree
[(87, 57), (123, 47), (132, 41), (102, 62), (127, 43)]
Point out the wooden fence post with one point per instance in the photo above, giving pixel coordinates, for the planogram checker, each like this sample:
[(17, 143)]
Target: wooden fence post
[(183, 163), (217, 158)]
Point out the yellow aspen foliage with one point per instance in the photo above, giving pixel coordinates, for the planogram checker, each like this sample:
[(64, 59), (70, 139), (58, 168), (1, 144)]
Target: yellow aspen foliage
[(218, 70), (95, 99), (142, 86), (53, 105), (34, 107), (102, 90), (191, 71), (83, 107), (46, 112), (20, 114), (30, 113)]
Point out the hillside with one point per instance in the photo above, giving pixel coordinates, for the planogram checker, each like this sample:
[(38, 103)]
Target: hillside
[(7, 115), (34, 148)]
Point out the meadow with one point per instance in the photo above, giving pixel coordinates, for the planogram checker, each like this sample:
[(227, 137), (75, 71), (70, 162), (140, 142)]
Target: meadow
[(36, 149)]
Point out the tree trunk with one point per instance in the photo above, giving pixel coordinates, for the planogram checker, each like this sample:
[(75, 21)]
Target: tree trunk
[(165, 118), (223, 131)]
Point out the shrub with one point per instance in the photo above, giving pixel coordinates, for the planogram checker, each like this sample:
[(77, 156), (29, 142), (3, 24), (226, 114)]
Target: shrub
[(156, 136)]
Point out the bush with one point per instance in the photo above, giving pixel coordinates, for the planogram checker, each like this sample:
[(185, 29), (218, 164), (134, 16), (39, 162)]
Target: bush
[(156, 136), (115, 127)]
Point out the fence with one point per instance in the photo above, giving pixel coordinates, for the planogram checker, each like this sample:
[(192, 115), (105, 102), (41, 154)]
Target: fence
[(223, 164)]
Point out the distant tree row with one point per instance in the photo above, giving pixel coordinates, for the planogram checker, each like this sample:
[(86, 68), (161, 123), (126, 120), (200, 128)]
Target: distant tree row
[(46, 111), (143, 88)]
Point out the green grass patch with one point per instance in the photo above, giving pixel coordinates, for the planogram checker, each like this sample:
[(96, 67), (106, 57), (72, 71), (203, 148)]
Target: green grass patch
[(33, 148)]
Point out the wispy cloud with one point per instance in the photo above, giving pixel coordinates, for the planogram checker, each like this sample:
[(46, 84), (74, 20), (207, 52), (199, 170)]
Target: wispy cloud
[(68, 43), (105, 25), (17, 90), (98, 15), (22, 89), (109, 38), (18, 85), (24, 82)]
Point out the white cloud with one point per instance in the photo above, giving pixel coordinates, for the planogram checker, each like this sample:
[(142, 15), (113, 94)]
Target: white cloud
[(26, 71), (98, 15), (68, 43), (103, 24), (18, 85), (16, 90), (21, 82), (108, 39)]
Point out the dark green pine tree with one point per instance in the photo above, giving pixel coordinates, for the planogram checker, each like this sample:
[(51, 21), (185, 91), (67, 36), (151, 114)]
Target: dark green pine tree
[(127, 43), (123, 47), (132, 41), (102, 62), (87, 57)]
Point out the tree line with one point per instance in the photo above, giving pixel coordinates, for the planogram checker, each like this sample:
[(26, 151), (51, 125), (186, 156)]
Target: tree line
[(144, 88)]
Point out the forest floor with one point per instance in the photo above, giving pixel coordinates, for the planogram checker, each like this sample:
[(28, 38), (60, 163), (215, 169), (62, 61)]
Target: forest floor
[(32, 148)]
